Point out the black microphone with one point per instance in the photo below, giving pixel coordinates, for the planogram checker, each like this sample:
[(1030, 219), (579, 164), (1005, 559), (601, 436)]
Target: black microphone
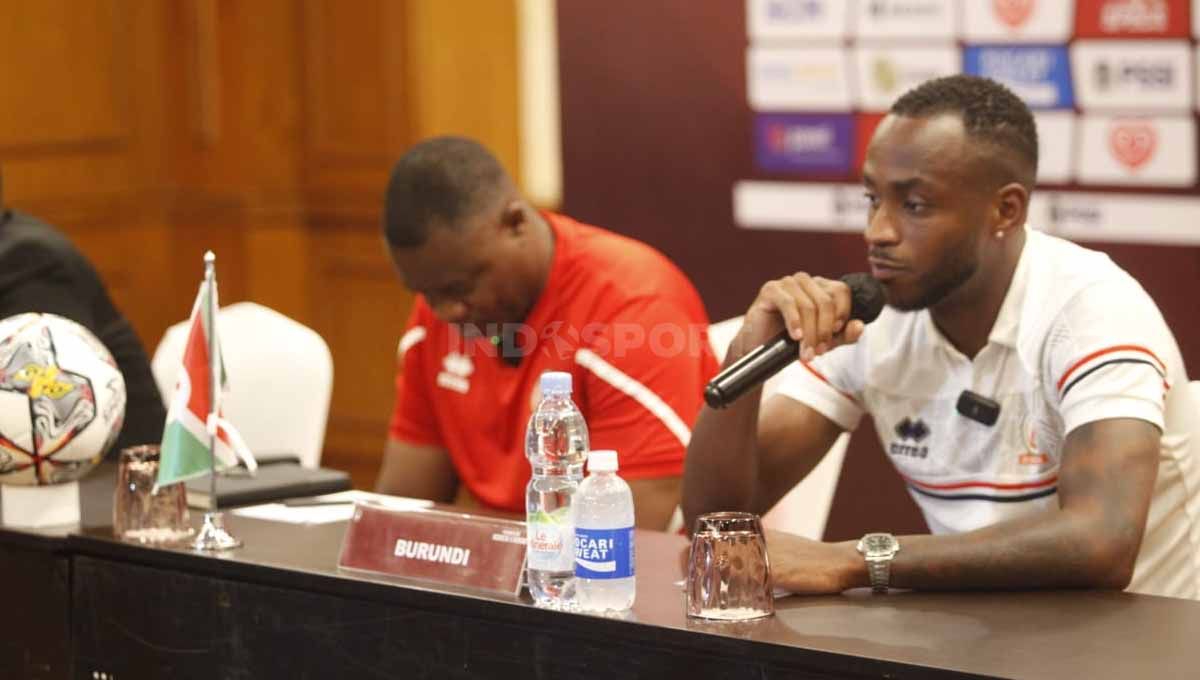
[(867, 299)]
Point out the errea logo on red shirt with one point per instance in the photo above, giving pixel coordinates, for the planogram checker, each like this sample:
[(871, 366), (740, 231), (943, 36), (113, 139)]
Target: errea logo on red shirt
[(456, 369)]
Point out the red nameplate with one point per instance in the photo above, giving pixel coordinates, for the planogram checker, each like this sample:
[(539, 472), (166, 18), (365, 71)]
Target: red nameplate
[(457, 549)]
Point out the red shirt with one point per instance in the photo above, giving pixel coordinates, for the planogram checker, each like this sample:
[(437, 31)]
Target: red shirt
[(617, 315)]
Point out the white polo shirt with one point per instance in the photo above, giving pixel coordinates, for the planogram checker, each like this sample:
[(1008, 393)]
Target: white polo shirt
[(1077, 340)]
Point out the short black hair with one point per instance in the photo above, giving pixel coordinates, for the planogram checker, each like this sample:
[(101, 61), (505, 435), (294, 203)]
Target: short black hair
[(990, 112), (438, 182)]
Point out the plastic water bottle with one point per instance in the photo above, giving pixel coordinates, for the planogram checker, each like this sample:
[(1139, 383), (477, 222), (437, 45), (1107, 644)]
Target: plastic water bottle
[(556, 444), (604, 550)]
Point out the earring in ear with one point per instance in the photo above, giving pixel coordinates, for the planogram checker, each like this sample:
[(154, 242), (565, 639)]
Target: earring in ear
[(999, 234)]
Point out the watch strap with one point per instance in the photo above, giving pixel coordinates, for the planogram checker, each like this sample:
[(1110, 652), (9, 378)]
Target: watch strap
[(880, 571)]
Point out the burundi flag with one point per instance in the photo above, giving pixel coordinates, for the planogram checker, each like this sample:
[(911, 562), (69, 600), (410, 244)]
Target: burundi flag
[(192, 416)]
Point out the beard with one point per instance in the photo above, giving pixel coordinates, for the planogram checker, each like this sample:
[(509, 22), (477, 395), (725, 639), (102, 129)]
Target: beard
[(955, 269)]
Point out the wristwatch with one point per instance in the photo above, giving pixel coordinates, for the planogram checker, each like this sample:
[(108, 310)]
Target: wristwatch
[(878, 551)]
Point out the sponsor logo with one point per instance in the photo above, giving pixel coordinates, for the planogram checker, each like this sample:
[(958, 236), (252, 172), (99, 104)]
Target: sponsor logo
[(794, 11), (782, 79), (926, 19), (1014, 13), (1132, 142), (773, 19), (1087, 214), (906, 9), (1141, 75), (1144, 74), (884, 73), (432, 552), (1128, 218), (910, 430), (1023, 21), (1135, 16), (1039, 75), (1158, 151), (456, 369), (796, 142), (1132, 18)]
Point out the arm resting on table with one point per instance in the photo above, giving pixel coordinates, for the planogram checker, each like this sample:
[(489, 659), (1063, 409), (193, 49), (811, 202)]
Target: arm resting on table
[(417, 471)]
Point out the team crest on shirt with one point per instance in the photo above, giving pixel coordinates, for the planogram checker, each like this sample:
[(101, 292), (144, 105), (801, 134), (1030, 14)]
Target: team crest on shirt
[(456, 369), (910, 433), (1041, 442)]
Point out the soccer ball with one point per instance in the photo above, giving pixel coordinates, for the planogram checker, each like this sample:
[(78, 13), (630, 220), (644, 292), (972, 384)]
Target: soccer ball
[(62, 400)]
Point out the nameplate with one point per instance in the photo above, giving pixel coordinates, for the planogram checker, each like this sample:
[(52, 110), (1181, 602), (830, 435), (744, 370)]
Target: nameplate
[(438, 546)]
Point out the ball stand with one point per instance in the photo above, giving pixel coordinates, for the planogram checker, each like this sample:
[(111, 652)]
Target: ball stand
[(36, 507)]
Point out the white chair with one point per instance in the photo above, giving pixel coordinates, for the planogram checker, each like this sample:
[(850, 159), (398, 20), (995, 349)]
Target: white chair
[(805, 509), (280, 376)]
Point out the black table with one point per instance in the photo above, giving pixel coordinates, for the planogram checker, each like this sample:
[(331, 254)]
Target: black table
[(279, 607), (35, 570)]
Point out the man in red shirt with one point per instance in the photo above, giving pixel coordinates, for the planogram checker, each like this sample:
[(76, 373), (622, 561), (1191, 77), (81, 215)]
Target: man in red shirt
[(505, 293)]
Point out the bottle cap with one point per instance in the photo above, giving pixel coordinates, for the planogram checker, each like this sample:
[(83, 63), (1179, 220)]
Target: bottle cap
[(602, 461), (556, 382)]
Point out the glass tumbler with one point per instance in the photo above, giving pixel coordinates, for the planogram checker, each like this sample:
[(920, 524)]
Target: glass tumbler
[(729, 575), (140, 513)]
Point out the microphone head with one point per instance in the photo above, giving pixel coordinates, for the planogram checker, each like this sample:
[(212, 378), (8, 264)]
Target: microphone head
[(714, 396), (867, 296)]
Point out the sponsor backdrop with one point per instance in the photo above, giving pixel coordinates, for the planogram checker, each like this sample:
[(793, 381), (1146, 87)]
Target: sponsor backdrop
[(730, 134)]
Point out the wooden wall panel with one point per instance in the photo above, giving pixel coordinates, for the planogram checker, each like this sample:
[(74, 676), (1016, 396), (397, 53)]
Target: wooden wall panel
[(463, 68), (81, 132), (361, 315), (153, 130), (76, 37)]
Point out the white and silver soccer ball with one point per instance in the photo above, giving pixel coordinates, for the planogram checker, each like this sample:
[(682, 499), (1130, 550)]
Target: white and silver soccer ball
[(62, 400)]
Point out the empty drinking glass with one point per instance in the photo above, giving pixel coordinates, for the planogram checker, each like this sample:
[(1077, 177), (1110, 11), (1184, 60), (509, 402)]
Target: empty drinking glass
[(729, 576), (140, 513)]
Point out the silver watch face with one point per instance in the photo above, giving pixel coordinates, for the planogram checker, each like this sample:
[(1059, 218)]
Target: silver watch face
[(878, 544)]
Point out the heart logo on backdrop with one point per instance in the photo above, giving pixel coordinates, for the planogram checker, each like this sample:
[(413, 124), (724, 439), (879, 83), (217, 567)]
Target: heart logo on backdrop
[(1013, 12), (1132, 142)]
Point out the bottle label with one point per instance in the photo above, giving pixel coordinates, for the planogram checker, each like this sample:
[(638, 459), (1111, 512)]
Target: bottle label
[(604, 553), (550, 536)]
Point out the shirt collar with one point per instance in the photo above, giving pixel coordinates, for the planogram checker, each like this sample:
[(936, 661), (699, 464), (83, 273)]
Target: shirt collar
[(544, 307), (1008, 321)]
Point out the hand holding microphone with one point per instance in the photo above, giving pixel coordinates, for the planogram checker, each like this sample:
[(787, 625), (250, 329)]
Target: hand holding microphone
[(822, 313)]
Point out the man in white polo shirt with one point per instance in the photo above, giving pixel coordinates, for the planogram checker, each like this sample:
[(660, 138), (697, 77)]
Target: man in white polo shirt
[(1026, 389)]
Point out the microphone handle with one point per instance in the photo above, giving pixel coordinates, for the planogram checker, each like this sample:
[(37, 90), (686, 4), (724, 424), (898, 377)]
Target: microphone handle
[(751, 370)]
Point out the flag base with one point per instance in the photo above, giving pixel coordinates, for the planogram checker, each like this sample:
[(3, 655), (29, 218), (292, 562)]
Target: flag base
[(213, 537)]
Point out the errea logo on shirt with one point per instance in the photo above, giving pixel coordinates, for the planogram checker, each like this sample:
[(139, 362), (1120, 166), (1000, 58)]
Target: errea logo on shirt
[(909, 430), (456, 368)]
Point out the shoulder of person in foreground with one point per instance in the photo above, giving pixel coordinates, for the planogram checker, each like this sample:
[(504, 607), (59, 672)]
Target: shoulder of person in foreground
[(628, 268)]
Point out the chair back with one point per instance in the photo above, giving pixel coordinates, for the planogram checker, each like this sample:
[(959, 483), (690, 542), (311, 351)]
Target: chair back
[(280, 379)]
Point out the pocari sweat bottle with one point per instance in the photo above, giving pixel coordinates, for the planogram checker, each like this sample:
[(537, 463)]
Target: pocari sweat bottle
[(604, 551), (556, 444)]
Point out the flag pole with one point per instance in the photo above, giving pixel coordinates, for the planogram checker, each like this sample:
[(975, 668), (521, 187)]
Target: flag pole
[(213, 535), (214, 374)]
